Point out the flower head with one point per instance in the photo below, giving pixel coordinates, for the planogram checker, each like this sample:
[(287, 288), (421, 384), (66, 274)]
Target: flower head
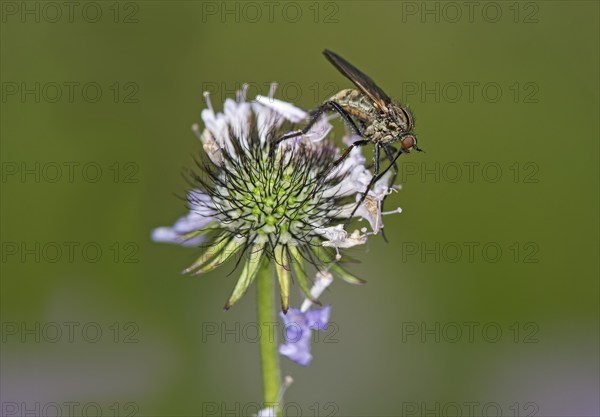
[(285, 204)]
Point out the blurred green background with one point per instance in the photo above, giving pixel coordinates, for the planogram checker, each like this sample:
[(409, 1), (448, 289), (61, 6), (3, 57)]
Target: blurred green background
[(97, 103)]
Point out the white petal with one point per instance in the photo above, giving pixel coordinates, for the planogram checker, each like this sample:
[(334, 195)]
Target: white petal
[(216, 123), (319, 130), (238, 116), (289, 111), (266, 120), (209, 144), (381, 188), (333, 233), (356, 182), (348, 241), (322, 281), (370, 210)]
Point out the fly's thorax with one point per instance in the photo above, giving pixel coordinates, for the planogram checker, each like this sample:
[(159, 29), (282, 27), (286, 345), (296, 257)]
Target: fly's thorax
[(396, 125), (383, 130)]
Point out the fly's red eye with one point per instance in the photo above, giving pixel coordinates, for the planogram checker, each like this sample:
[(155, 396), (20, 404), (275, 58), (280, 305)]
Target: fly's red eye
[(408, 142)]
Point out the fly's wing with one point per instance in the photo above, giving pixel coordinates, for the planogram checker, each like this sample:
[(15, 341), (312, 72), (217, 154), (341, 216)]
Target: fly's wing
[(380, 99)]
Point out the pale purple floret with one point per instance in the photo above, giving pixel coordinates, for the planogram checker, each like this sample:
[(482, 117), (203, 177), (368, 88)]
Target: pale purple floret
[(200, 215), (298, 330), (168, 235)]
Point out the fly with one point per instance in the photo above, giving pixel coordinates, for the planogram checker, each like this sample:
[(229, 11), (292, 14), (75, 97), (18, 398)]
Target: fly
[(383, 122)]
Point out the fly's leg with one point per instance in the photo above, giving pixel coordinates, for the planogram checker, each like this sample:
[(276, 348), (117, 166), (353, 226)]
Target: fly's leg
[(338, 161), (372, 182), (376, 178), (345, 116), (314, 116), (313, 119), (376, 159), (358, 143), (393, 164), (389, 152)]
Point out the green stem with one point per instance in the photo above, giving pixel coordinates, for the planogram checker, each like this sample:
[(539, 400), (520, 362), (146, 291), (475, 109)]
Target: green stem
[(269, 357)]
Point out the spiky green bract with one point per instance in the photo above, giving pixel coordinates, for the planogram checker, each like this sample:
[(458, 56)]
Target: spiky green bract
[(268, 205)]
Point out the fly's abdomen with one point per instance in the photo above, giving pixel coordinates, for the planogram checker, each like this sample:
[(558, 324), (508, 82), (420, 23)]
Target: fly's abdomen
[(355, 104)]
